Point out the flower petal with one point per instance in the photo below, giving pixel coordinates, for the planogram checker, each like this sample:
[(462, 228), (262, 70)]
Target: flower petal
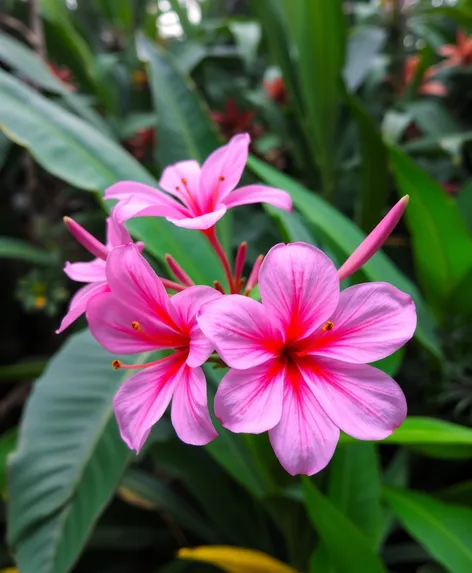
[(135, 284), (250, 400), (372, 321), (139, 200), (305, 438), (190, 415), (117, 233), (111, 324), (202, 222), (259, 194), (360, 399), (239, 328), (182, 179), (374, 240), (142, 400), (222, 171), (299, 285), (79, 302), (93, 271), (186, 304)]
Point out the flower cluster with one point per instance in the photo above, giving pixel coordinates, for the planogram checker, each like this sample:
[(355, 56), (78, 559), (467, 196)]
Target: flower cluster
[(298, 359)]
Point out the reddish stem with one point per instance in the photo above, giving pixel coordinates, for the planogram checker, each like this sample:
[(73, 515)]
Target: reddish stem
[(210, 234), (178, 271), (172, 285), (254, 276)]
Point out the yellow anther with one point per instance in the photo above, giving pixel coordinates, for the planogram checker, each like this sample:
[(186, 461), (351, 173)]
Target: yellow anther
[(184, 181), (116, 364), (136, 326), (328, 326)]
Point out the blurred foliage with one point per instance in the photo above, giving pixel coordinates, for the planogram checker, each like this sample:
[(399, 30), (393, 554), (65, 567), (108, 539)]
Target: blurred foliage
[(349, 105)]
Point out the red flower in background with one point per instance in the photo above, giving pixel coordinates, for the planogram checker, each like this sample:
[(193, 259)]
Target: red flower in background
[(451, 188), (275, 89), (233, 121), (428, 86), (140, 143), (458, 54), (64, 75)]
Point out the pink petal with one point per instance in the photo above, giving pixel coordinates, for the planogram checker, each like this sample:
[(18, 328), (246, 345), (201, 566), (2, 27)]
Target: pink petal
[(372, 321), (142, 400), (79, 302), (135, 284), (111, 324), (186, 304), (374, 241), (240, 329), (222, 171), (202, 222), (299, 285), (305, 438), (361, 400), (91, 272), (433, 88), (190, 416), (172, 176), (138, 200), (449, 50), (117, 233), (259, 194), (250, 401)]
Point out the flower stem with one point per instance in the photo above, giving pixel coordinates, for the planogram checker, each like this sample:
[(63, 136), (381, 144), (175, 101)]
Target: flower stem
[(210, 234), (173, 285)]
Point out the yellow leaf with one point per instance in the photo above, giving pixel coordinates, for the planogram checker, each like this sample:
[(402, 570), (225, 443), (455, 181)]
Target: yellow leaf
[(9, 570), (235, 559)]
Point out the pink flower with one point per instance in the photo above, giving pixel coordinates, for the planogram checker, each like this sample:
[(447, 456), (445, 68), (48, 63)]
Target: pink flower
[(299, 359), (200, 196), (458, 54), (427, 86), (137, 315), (92, 272)]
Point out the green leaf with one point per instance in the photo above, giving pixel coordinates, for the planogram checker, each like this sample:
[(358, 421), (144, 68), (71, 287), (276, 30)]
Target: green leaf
[(183, 118), (17, 249), (442, 245), (150, 493), (332, 526), (354, 486), (391, 365), (347, 236), (77, 153), (420, 431), (445, 531), (318, 31), (25, 61), (459, 493), (69, 460), (8, 441), (364, 44), (238, 520), (374, 168)]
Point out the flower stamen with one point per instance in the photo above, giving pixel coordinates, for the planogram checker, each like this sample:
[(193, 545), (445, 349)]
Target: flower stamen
[(328, 326), (136, 326)]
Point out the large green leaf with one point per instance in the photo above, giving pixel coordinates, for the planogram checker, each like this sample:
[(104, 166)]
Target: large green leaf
[(76, 152), (375, 177), (11, 248), (184, 121), (25, 61), (347, 236), (345, 544), (354, 486), (445, 531), (420, 431), (319, 34), (442, 245), (69, 460)]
